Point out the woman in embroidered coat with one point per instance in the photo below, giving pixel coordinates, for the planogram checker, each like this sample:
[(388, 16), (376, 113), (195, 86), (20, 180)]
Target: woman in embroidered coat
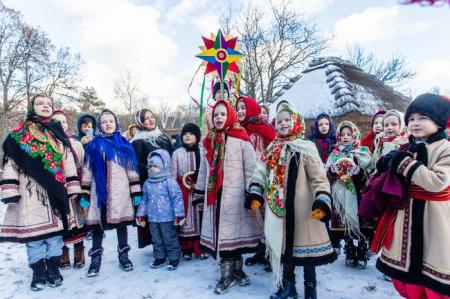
[(346, 170), (291, 181), (147, 139), (324, 135), (73, 238), (110, 185), (228, 229), (38, 182), (415, 246), (187, 159)]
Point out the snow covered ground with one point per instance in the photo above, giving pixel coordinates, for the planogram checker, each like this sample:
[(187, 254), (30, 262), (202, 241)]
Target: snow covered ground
[(193, 279)]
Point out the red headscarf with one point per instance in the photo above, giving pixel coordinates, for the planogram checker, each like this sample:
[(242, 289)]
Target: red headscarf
[(369, 139), (214, 144), (252, 123)]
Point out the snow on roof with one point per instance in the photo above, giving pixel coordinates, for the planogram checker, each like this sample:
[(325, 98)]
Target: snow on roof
[(335, 86)]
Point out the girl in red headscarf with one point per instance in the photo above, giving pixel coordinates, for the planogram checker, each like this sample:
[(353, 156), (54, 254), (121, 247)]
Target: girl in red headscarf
[(228, 229), (261, 133)]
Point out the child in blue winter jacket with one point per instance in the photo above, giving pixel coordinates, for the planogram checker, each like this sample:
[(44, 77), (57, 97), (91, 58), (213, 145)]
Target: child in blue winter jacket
[(162, 204)]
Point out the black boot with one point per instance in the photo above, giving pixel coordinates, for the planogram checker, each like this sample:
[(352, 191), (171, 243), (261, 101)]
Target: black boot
[(258, 257), (287, 291), (124, 262), (361, 254), (241, 278), (227, 279), (39, 279), (78, 257), (350, 254), (310, 290), (96, 261), (54, 277)]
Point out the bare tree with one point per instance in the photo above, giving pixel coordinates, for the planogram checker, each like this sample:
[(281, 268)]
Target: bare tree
[(127, 91), (393, 72), (164, 111), (274, 52)]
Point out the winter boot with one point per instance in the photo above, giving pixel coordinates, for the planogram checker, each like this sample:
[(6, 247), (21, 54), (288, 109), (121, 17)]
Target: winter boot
[(39, 279), (187, 256), (78, 257), (227, 279), (96, 262), (287, 291), (65, 259), (241, 278), (158, 263), (350, 254), (173, 265), (54, 277), (361, 254), (258, 257), (125, 263), (310, 290)]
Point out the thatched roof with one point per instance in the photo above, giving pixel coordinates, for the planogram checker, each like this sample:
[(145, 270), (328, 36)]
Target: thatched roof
[(337, 87)]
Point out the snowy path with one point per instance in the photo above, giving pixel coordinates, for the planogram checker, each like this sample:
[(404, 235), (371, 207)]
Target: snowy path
[(194, 279)]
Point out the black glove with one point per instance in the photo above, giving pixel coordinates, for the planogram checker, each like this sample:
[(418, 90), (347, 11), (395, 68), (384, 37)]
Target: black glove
[(397, 159), (197, 200), (421, 150), (383, 162)]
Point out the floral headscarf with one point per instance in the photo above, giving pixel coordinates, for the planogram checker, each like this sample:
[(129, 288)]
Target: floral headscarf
[(275, 158)]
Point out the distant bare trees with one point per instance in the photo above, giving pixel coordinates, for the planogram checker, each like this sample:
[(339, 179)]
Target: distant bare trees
[(127, 90), (393, 72), (275, 51)]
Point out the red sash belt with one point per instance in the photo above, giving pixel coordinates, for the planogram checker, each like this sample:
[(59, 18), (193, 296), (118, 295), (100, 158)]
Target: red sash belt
[(385, 229)]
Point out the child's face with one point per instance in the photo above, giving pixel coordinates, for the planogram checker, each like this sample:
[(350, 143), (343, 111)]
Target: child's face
[(324, 126), (189, 138), (264, 116), (283, 123), (421, 126), (43, 107), (220, 116), (218, 95), (62, 119), (241, 111), (346, 136), (86, 127), (391, 126), (154, 169), (108, 123), (378, 125), (149, 121)]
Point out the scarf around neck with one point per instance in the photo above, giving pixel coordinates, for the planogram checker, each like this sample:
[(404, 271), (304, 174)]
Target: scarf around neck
[(214, 144), (163, 174)]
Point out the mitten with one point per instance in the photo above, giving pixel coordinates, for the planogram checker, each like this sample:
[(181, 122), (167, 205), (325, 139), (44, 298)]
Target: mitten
[(320, 209), (140, 221), (137, 200), (398, 159), (179, 221), (254, 194), (198, 199), (84, 202)]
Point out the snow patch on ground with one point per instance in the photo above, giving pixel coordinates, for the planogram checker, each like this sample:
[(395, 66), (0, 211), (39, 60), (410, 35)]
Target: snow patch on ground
[(193, 279)]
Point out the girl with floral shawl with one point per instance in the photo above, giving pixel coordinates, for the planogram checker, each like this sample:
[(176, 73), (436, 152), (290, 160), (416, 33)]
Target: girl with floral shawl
[(346, 170), (39, 179), (290, 180)]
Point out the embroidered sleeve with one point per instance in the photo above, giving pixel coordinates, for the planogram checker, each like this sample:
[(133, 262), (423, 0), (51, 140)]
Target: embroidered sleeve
[(134, 182), (70, 173), (9, 184), (249, 158), (200, 185), (433, 179), (86, 180)]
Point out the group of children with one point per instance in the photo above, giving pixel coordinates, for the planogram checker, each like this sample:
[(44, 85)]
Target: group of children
[(247, 186)]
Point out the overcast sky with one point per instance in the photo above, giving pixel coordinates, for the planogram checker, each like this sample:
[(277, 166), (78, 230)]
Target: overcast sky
[(158, 39)]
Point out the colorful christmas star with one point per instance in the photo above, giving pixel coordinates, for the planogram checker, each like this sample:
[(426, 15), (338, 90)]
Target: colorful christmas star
[(220, 54)]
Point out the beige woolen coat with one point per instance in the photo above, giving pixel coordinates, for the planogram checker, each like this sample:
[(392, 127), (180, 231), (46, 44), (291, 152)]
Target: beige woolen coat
[(238, 229), (32, 218), (311, 243), (420, 250)]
